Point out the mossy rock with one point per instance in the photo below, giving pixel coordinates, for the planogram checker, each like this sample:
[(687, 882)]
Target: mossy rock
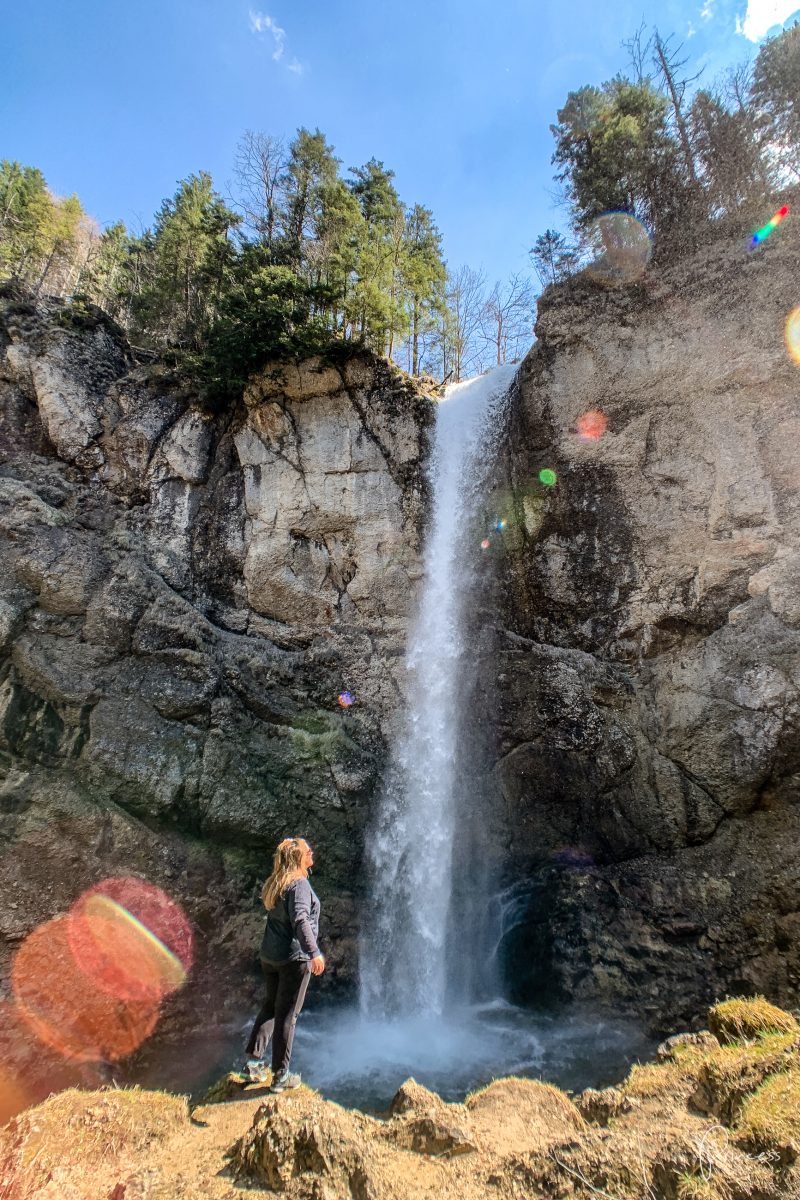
[(743, 1020), (769, 1121), (727, 1078)]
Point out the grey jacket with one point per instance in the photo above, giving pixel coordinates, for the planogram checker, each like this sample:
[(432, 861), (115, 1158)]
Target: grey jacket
[(292, 926)]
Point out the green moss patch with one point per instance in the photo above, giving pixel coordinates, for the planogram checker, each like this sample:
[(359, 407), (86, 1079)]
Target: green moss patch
[(738, 1020), (770, 1117)]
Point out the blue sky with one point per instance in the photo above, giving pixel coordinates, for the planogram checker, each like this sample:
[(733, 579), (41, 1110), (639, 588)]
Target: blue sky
[(118, 101)]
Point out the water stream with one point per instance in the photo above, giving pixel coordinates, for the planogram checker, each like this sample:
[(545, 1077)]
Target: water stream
[(403, 963)]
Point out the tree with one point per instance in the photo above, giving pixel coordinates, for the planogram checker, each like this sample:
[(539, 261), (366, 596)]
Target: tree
[(379, 309), (260, 168), (62, 236), (553, 258), (423, 276), (267, 312), (26, 221), (668, 66), (615, 153), (732, 169), (311, 168), (776, 95), (333, 258), (106, 278), (462, 344), (183, 265), (507, 319)]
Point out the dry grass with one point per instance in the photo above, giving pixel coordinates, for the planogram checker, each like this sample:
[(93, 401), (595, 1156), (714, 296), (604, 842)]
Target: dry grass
[(741, 1020), (648, 1081), (58, 1147)]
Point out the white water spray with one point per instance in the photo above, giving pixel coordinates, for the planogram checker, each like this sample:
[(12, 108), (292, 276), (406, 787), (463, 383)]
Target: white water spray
[(403, 952)]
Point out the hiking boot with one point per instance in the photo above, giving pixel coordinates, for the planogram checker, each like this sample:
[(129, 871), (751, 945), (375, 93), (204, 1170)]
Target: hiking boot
[(256, 1071), (286, 1079)]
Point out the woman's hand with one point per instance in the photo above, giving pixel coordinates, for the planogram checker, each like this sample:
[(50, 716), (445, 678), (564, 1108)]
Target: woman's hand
[(317, 964)]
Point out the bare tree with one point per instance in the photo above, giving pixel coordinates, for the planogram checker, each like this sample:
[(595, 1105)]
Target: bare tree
[(507, 319), (259, 169), (466, 298), (668, 66)]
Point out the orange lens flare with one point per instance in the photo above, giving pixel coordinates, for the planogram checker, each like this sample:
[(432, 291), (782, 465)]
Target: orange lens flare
[(65, 1008), (131, 940), (592, 425), (13, 1096), (792, 334)]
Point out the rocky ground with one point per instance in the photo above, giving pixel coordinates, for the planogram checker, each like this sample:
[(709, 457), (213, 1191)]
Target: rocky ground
[(716, 1117)]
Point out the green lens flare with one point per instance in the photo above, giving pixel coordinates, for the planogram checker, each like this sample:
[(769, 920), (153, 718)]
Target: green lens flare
[(547, 476)]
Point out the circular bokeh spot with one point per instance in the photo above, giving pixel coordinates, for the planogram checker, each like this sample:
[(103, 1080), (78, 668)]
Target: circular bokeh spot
[(548, 477), (622, 248), (792, 334), (131, 939), (592, 425), (346, 699), (66, 1009), (485, 544)]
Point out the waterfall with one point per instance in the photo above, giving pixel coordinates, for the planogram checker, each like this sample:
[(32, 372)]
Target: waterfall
[(409, 850)]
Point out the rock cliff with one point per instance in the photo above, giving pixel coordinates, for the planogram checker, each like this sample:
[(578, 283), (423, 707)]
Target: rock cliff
[(645, 662), (185, 593), (183, 597)]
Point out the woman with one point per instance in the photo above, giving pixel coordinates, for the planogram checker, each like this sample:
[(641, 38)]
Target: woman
[(289, 957)]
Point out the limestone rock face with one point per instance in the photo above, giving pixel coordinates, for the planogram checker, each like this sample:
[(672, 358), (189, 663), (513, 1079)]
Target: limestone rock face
[(183, 596), (646, 664)]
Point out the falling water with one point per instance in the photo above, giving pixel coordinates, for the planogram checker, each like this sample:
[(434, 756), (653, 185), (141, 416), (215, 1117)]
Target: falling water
[(403, 952), (408, 1023)]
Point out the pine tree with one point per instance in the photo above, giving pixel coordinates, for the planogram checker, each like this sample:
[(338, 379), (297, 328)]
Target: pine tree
[(27, 219), (190, 254), (379, 312), (776, 95), (553, 258), (614, 152), (424, 277), (312, 167)]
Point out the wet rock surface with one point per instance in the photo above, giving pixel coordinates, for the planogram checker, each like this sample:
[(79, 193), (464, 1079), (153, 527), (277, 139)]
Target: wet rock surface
[(645, 663)]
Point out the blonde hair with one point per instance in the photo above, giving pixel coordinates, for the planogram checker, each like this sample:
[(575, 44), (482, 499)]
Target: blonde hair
[(286, 868)]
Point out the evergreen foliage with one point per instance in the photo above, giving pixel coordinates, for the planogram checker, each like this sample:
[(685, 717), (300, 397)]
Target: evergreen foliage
[(300, 258), (638, 146)]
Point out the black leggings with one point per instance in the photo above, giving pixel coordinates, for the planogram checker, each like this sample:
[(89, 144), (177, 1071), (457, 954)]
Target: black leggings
[(286, 986)]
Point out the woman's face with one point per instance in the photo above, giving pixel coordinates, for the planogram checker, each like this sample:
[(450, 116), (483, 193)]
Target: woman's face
[(307, 861)]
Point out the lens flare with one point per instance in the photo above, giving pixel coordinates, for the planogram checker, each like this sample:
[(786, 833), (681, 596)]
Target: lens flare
[(592, 425), (131, 940), (13, 1096), (485, 544), (501, 523), (772, 223), (792, 334), (548, 477), (622, 247), (345, 699), (65, 1008)]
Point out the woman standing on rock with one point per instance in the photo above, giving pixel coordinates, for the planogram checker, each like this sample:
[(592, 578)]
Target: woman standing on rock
[(289, 957)]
